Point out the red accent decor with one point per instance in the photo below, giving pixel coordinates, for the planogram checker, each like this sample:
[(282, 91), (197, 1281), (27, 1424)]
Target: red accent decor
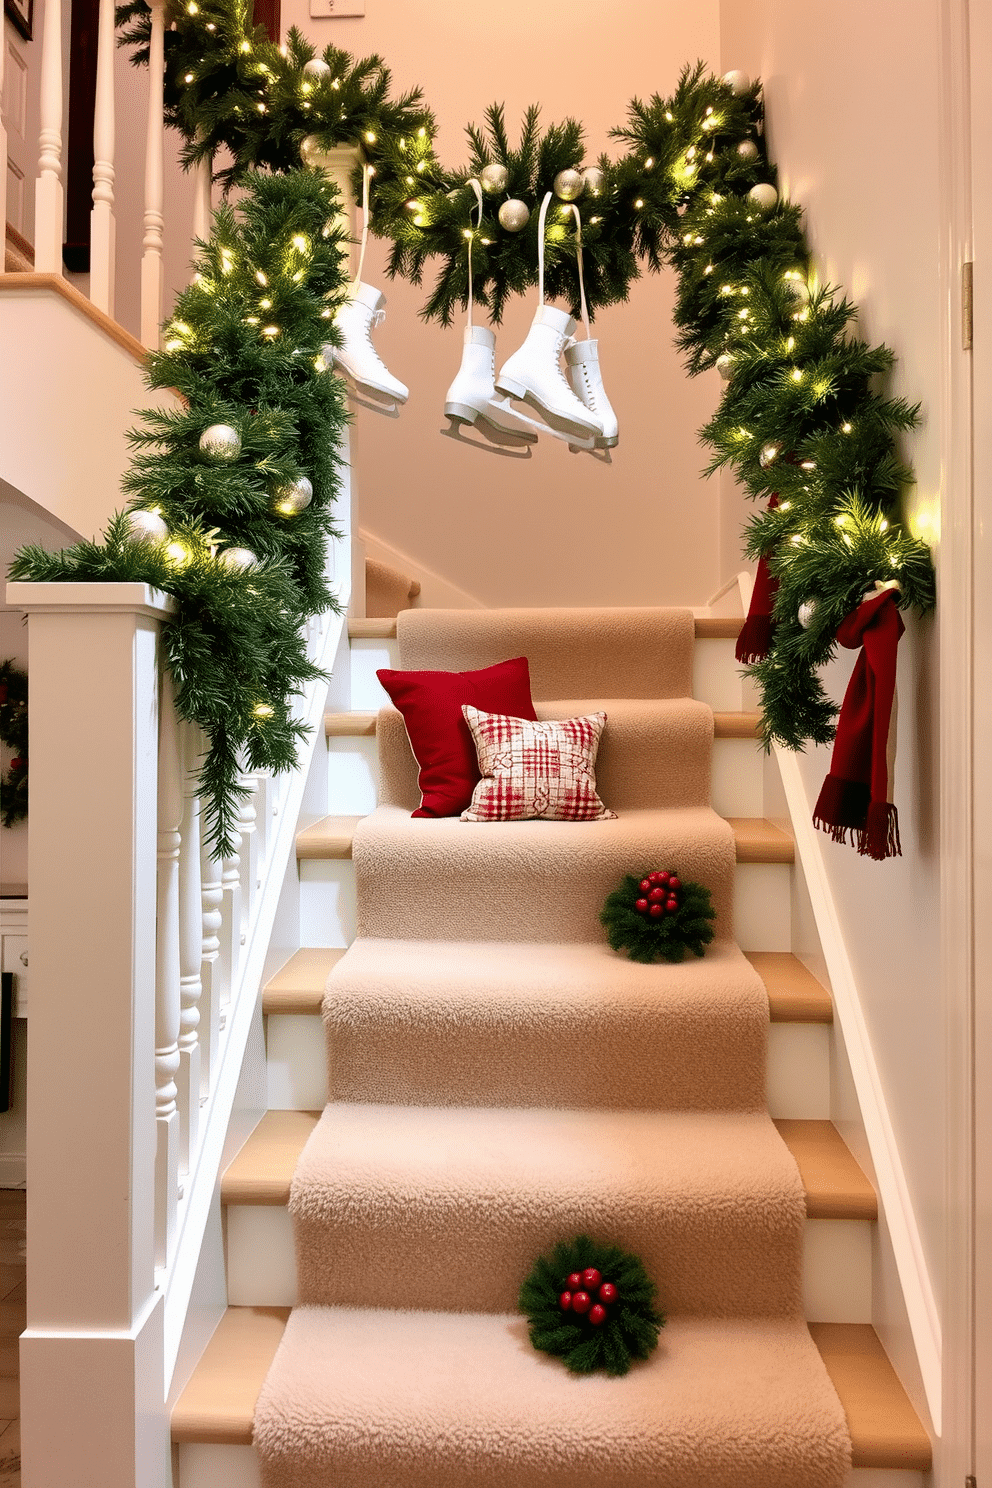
[(591, 1278), (756, 632), (566, 1301), (581, 1301), (597, 1314), (607, 1292), (431, 704), (535, 771), (575, 1281), (855, 797)]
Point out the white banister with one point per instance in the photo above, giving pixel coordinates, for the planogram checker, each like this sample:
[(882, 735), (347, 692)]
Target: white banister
[(154, 221), (48, 200), (167, 978), (190, 950), (102, 224)]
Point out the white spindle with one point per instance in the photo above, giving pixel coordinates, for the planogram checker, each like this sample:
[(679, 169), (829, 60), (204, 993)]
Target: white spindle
[(190, 949), (3, 154), (48, 198), (249, 847), (230, 930), (212, 893), (154, 221), (202, 198), (167, 978), (102, 225)]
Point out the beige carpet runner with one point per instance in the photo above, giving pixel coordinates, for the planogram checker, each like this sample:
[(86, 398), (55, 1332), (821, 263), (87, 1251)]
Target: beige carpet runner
[(500, 1080)]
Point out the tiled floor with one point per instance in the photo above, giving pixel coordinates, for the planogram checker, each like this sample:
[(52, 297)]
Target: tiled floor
[(12, 1306)]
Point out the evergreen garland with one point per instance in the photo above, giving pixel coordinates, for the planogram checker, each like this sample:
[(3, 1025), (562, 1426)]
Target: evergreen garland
[(630, 1330), (667, 938), (14, 733), (243, 347)]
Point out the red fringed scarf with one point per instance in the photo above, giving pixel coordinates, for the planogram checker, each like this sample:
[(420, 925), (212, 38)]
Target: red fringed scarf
[(857, 794), (756, 632)]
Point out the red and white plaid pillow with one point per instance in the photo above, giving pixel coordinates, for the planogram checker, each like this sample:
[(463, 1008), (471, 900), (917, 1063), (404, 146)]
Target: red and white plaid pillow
[(535, 770)]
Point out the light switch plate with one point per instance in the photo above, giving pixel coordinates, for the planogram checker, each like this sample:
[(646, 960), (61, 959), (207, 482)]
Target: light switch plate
[(332, 8)]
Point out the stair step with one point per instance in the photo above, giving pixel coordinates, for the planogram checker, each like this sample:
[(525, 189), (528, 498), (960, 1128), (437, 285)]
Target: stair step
[(745, 725), (794, 994), (708, 628), (757, 840), (218, 1404), (836, 1187)]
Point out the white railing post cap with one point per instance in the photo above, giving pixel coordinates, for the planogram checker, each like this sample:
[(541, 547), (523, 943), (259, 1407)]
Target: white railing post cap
[(78, 598)]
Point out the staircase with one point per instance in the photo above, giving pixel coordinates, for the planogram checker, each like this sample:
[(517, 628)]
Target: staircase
[(396, 1107)]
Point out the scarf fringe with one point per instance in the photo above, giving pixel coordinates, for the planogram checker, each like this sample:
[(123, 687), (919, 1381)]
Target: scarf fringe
[(880, 837), (876, 836), (755, 639)]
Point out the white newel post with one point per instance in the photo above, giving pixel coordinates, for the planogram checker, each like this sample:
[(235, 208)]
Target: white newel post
[(94, 1342), (190, 948), (102, 225), (167, 978), (154, 221), (48, 199)]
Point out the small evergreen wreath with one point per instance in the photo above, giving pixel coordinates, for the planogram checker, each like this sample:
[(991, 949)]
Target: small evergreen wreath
[(14, 734), (592, 1306), (657, 916)]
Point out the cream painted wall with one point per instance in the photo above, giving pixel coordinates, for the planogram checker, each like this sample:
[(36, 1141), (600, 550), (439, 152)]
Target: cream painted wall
[(559, 528), (852, 121)]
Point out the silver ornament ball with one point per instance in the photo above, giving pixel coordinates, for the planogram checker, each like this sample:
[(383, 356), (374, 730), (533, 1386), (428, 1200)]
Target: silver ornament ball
[(747, 150), (237, 558), (316, 68), (494, 178), (312, 152), (738, 82), (806, 613), (595, 180), (514, 215), (220, 442), (295, 497), (146, 526), (798, 290), (768, 456), (568, 185), (763, 195), (725, 365)]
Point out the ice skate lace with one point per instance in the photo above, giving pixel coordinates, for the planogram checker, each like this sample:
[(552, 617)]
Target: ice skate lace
[(542, 220)]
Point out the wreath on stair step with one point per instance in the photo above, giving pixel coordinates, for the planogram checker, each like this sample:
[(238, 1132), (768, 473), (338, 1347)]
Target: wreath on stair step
[(592, 1306), (655, 916)]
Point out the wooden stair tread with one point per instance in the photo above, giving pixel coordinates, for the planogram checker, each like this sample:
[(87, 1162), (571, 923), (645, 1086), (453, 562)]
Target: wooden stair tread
[(794, 994), (836, 1186), (885, 1430), (331, 837), (746, 725), (218, 1404), (298, 987), (707, 628), (761, 841), (262, 1170)]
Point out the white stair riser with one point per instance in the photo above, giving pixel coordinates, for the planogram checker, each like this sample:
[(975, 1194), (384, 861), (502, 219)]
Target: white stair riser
[(261, 1265), (798, 1067), (327, 902), (367, 694), (762, 904), (237, 1467), (737, 783), (715, 677), (352, 777)]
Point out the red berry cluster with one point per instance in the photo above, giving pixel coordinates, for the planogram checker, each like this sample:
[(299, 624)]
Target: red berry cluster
[(578, 1298), (660, 891)]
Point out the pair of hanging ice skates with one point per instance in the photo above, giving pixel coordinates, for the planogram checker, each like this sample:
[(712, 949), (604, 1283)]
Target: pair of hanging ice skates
[(574, 408)]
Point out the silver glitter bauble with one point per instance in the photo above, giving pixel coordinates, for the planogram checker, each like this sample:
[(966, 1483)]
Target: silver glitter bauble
[(312, 152), (595, 180), (806, 613), (237, 558), (725, 365), (738, 82), (568, 185), (295, 497), (763, 195), (494, 178), (747, 150), (220, 442), (146, 526), (514, 215), (317, 69), (768, 456), (797, 290)]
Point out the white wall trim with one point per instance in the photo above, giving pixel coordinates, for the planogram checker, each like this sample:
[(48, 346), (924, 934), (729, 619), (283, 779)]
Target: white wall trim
[(893, 1191)]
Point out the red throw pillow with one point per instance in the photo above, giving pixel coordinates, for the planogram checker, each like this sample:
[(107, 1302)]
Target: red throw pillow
[(431, 704)]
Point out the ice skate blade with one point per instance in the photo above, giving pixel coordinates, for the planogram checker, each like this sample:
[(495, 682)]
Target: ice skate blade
[(493, 441), (602, 455), (501, 412), (371, 390), (388, 410), (559, 423)]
